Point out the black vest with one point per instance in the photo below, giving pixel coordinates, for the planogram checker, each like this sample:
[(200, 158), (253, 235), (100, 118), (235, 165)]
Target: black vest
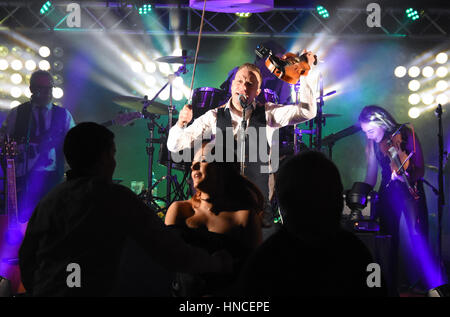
[(252, 169)]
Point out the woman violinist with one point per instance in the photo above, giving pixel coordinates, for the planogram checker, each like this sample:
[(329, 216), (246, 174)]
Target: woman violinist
[(396, 149)]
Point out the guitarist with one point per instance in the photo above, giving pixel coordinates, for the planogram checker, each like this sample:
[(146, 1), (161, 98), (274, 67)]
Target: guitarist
[(399, 193), (39, 128)]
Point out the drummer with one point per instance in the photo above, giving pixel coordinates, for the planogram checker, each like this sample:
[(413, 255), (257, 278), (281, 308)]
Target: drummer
[(272, 116)]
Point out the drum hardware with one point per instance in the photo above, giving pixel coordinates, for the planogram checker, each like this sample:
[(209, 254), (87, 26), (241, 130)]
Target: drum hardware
[(137, 103), (331, 139), (207, 98), (184, 59)]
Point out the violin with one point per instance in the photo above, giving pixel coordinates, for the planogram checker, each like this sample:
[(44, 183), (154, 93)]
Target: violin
[(400, 160), (288, 68)]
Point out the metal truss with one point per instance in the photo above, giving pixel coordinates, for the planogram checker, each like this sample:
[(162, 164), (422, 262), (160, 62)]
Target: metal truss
[(122, 17)]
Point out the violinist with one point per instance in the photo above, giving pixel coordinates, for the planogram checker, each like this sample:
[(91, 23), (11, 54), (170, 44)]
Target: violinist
[(246, 85), (396, 149)]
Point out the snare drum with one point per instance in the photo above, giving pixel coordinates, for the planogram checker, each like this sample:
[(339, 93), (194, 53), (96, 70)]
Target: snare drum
[(207, 98)]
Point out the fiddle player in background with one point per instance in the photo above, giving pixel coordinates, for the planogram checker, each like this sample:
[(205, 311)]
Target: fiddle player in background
[(246, 84), (399, 193)]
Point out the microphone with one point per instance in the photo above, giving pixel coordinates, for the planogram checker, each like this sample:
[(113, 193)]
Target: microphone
[(243, 100)]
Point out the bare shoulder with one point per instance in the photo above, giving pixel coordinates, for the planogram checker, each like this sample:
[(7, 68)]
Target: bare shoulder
[(177, 211)]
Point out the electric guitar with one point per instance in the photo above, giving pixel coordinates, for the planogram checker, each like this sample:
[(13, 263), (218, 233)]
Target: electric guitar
[(11, 230)]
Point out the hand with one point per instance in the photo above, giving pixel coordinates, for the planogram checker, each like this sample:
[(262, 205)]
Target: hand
[(309, 56), (185, 116), (396, 177)]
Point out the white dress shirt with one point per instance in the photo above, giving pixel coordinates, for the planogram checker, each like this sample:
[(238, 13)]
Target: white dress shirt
[(277, 116)]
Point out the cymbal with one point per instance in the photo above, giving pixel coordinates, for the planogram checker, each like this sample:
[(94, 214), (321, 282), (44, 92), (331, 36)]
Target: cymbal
[(182, 60), (136, 103)]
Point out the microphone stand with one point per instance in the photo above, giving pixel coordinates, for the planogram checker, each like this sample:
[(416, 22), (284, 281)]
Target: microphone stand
[(319, 118), (243, 136), (441, 201)]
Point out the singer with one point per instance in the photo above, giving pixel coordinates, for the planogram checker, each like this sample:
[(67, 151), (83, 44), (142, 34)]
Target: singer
[(244, 89)]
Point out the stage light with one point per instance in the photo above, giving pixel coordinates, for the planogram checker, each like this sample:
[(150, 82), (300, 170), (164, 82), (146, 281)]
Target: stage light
[(45, 7), (150, 67), (442, 99), (322, 12), (177, 94), (164, 68), (441, 85), (440, 291), (427, 99), (400, 71), (178, 82), (414, 85), (150, 81), (57, 93), (44, 51), (4, 64), (30, 65), (58, 52), (44, 65), (14, 104), (414, 71), (16, 64), (136, 67), (442, 71), (27, 92), (412, 14), (17, 51), (58, 66), (414, 112), (414, 99), (16, 78), (164, 95), (427, 71), (243, 14), (4, 51), (145, 9), (441, 58), (58, 80), (16, 92)]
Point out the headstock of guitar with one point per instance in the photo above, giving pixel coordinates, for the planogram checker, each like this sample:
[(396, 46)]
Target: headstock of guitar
[(8, 148)]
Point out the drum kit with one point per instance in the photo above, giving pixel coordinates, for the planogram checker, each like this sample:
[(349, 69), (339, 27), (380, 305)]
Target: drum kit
[(203, 99)]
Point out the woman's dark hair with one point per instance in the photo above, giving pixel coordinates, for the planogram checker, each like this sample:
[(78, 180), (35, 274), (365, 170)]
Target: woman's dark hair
[(379, 116), (85, 143), (234, 190)]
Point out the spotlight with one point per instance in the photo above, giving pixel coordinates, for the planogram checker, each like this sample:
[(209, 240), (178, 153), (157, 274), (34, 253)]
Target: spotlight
[(414, 85), (16, 92), (177, 94), (164, 68), (414, 71), (427, 71), (17, 51), (150, 81), (30, 65), (46, 7), (442, 71), (412, 14), (16, 78), (441, 85), (16, 64), (58, 93), (14, 104), (58, 65), (441, 58), (136, 67), (58, 80), (3, 64), (4, 51), (400, 71), (44, 65), (145, 9), (442, 99), (58, 52), (322, 12), (414, 112), (27, 92), (414, 99), (150, 67), (44, 51), (164, 95), (440, 291), (427, 99), (243, 14)]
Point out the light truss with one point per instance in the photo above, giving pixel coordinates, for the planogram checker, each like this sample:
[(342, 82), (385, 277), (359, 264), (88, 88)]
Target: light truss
[(117, 17)]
